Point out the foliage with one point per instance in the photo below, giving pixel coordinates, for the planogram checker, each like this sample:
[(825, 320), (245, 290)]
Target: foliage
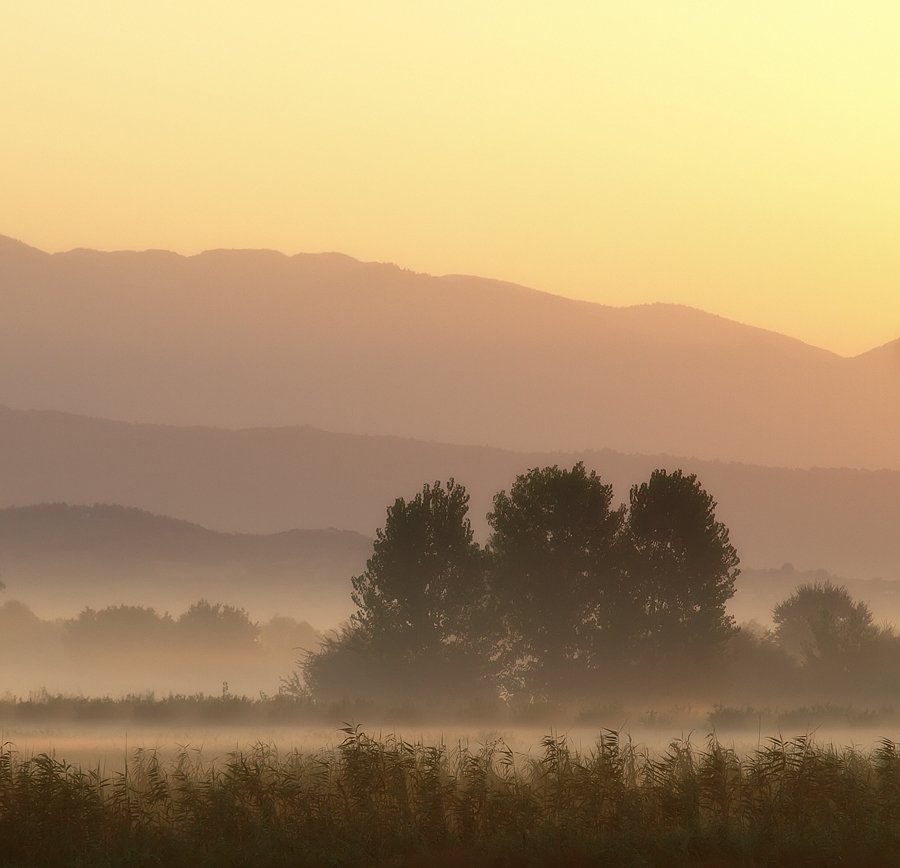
[(420, 605), (135, 631), (345, 666), (569, 589), (389, 801), (424, 579), (217, 626), (821, 623), (127, 629), (555, 574), (683, 567)]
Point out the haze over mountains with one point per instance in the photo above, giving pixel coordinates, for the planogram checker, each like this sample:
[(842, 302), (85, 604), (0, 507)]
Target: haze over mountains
[(59, 559), (255, 338), (246, 362), (270, 480)]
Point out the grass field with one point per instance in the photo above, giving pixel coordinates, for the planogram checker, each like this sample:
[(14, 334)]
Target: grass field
[(388, 801)]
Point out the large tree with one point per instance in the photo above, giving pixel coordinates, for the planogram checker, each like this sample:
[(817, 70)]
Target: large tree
[(555, 575), (682, 567), (424, 581), (419, 602)]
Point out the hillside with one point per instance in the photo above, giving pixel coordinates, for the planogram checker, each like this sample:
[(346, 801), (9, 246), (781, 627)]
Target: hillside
[(255, 338), (59, 559), (270, 480)]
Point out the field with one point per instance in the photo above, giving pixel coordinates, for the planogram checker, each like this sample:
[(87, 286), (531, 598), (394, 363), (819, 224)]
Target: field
[(585, 797)]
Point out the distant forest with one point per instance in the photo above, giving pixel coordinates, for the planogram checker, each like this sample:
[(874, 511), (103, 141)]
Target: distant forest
[(127, 648)]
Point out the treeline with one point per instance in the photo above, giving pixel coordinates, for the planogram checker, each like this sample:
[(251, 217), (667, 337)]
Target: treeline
[(139, 631), (569, 594), (135, 632), (575, 599), (125, 648)]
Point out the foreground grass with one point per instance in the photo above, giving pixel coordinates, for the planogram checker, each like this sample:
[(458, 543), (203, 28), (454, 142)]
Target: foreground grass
[(386, 801)]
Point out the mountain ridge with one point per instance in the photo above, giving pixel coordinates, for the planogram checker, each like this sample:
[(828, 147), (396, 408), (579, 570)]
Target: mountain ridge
[(232, 339), (450, 276), (276, 479), (60, 557), (573, 454)]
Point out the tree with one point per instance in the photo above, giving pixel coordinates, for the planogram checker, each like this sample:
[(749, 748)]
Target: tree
[(216, 627), (683, 568), (821, 624), (419, 602), (347, 666), (118, 633), (555, 574), (425, 578)]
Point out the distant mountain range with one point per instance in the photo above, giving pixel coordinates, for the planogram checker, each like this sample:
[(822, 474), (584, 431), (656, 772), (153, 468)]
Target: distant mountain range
[(270, 480), (250, 338), (59, 559)]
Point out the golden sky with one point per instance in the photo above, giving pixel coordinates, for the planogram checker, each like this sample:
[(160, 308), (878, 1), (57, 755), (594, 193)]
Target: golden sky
[(739, 157)]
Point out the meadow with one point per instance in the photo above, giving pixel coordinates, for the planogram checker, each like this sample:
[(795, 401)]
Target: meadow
[(384, 800)]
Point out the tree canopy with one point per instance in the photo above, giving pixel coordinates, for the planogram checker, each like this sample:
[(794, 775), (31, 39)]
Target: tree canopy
[(683, 566), (555, 573), (424, 579), (419, 602), (569, 586), (820, 623)]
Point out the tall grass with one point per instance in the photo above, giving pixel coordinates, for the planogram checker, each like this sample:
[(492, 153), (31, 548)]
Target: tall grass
[(388, 801)]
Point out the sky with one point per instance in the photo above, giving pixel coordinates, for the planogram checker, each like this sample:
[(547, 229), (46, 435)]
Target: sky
[(736, 157)]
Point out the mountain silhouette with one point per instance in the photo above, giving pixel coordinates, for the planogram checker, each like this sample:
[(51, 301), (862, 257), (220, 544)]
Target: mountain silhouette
[(270, 480), (60, 558), (248, 338)]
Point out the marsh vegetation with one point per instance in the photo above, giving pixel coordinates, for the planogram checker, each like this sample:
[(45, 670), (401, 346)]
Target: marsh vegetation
[(609, 621), (390, 801)]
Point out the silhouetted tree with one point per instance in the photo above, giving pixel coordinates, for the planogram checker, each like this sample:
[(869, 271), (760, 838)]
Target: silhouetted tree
[(682, 567), (347, 666), (420, 601), (424, 582), (568, 584), (117, 632), (821, 624), (556, 576), (217, 627), (750, 664)]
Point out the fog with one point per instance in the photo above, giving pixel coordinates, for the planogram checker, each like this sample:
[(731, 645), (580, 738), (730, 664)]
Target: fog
[(109, 746), (230, 681), (121, 650), (489, 515)]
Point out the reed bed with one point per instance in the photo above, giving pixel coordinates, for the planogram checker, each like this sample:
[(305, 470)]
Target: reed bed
[(373, 801)]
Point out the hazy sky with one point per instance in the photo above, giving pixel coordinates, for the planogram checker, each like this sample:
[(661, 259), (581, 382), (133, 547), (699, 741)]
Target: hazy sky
[(738, 157)]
